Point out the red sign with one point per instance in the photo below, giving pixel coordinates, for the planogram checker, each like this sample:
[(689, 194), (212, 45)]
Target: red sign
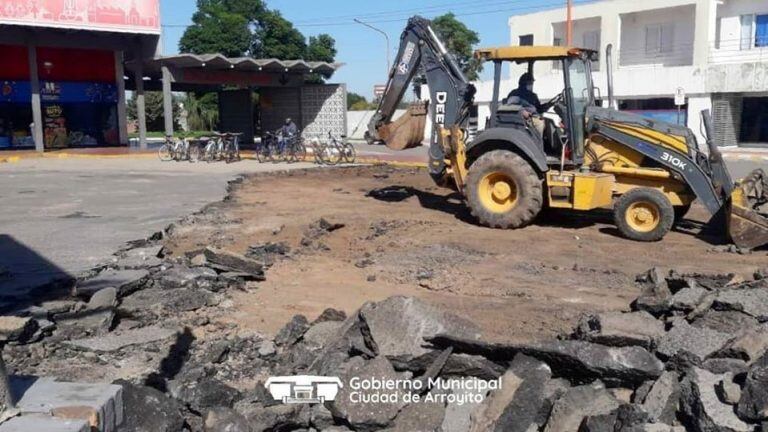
[(137, 16)]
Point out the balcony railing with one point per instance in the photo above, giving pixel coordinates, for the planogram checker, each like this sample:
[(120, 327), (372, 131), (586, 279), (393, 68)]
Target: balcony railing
[(738, 51), (675, 55)]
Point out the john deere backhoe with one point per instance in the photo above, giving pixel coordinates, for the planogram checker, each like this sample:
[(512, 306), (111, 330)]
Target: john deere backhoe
[(649, 172)]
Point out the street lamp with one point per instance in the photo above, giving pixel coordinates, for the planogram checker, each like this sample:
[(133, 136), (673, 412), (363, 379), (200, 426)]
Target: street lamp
[(386, 36)]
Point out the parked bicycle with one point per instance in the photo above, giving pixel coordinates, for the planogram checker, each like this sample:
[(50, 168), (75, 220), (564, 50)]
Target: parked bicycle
[(266, 147), (276, 149), (347, 150), (296, 150), (177, 150), (339, 150), (230, 146)]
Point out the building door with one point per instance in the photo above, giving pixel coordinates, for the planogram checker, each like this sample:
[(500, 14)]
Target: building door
[(754, 121)]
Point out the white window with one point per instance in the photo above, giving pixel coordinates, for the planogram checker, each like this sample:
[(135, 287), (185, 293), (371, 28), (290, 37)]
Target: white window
[(659, 38), (747, 30), (592, 40), (754, 32)]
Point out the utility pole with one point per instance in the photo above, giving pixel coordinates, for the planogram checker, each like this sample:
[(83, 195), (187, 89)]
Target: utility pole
[(569, 24), (386, 36)]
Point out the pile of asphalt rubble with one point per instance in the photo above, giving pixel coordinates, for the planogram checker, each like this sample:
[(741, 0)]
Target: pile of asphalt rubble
[(691, 355)]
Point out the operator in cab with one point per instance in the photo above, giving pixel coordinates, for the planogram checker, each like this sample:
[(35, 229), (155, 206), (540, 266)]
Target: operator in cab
[(524, 96)]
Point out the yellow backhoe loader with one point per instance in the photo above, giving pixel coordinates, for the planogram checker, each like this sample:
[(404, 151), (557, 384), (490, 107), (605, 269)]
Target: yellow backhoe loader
[(586, 157)]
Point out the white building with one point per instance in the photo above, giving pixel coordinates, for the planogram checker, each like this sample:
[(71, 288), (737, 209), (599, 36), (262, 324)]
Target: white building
[(715, 50)]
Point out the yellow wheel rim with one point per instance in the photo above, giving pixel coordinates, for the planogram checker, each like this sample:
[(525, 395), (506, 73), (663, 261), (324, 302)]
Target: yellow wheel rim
[(498, 192), (643, 216)]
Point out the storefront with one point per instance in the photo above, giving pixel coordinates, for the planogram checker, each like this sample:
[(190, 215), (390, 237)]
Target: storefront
[(78, 95), (62, 81), (65, 66)]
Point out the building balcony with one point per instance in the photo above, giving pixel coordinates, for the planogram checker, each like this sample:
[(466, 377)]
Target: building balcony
[(737, 51), (668, 56)]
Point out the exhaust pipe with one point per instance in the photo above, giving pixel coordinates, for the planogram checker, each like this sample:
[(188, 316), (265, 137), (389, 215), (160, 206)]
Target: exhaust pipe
[(609, 65)]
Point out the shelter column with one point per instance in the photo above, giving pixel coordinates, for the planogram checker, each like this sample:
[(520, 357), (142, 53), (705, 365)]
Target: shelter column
[(122, 119), (141, 111), (167, 101), (37, 109)]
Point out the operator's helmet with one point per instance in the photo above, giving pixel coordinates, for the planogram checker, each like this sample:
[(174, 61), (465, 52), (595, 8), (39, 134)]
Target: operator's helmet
[(288, 120)]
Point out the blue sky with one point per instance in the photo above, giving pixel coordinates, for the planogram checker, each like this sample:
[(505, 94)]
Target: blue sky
[(362, 49)]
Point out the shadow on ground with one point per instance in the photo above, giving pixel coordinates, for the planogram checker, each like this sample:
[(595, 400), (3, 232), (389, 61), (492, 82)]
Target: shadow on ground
[(27, 277)]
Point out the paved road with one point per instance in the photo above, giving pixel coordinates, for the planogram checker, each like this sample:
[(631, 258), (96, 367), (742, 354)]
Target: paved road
[(66, 215)]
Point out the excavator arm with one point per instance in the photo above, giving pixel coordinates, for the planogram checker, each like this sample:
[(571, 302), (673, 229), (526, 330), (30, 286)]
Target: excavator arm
[(451, 95)]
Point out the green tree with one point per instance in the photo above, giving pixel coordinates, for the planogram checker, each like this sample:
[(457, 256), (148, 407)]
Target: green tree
[(202, 111), (460, 41), (153, 106), (276, 37), (321, 48), (248, 28), (217, 28), (355, 99)]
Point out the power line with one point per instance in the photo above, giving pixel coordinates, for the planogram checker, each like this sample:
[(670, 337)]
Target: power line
[(459, 14), (400, 12), (336, 23)]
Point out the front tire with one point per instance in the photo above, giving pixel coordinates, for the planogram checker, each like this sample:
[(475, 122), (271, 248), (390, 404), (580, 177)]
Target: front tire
[(503, 190), (644, 214), (165, 153)]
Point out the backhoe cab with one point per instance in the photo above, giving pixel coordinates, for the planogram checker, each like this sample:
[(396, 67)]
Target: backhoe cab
[(576, 155)]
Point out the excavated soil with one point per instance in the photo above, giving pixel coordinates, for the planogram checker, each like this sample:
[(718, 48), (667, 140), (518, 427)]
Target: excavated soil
[(404, 236)]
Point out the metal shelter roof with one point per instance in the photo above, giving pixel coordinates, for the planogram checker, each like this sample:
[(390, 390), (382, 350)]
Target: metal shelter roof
[(245, 64)]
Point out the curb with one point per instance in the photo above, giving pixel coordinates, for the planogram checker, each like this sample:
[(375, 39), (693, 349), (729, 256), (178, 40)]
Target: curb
[(10, 159)]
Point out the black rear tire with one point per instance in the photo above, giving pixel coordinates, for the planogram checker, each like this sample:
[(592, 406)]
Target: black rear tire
[(503, 190), (644, 214)]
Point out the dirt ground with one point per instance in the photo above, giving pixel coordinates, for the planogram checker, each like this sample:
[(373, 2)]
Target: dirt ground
[(404, 236)]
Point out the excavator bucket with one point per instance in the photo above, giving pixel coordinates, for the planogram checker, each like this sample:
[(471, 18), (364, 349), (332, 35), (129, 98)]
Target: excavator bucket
[(408, 130), (748, 228)]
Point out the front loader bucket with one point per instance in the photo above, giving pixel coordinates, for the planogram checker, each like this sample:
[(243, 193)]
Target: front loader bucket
[(408, 130), (747, 227)]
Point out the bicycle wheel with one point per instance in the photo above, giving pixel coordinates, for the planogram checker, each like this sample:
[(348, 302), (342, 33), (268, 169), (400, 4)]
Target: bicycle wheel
[(301, 152), (331, 154), (317, 154), (165, 153), (194, 153), (349, 153), (259, 153), (210, 153), (273, 153)]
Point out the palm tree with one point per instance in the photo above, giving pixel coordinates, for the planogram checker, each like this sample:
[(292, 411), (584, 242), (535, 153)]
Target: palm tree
[(202, 111)]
